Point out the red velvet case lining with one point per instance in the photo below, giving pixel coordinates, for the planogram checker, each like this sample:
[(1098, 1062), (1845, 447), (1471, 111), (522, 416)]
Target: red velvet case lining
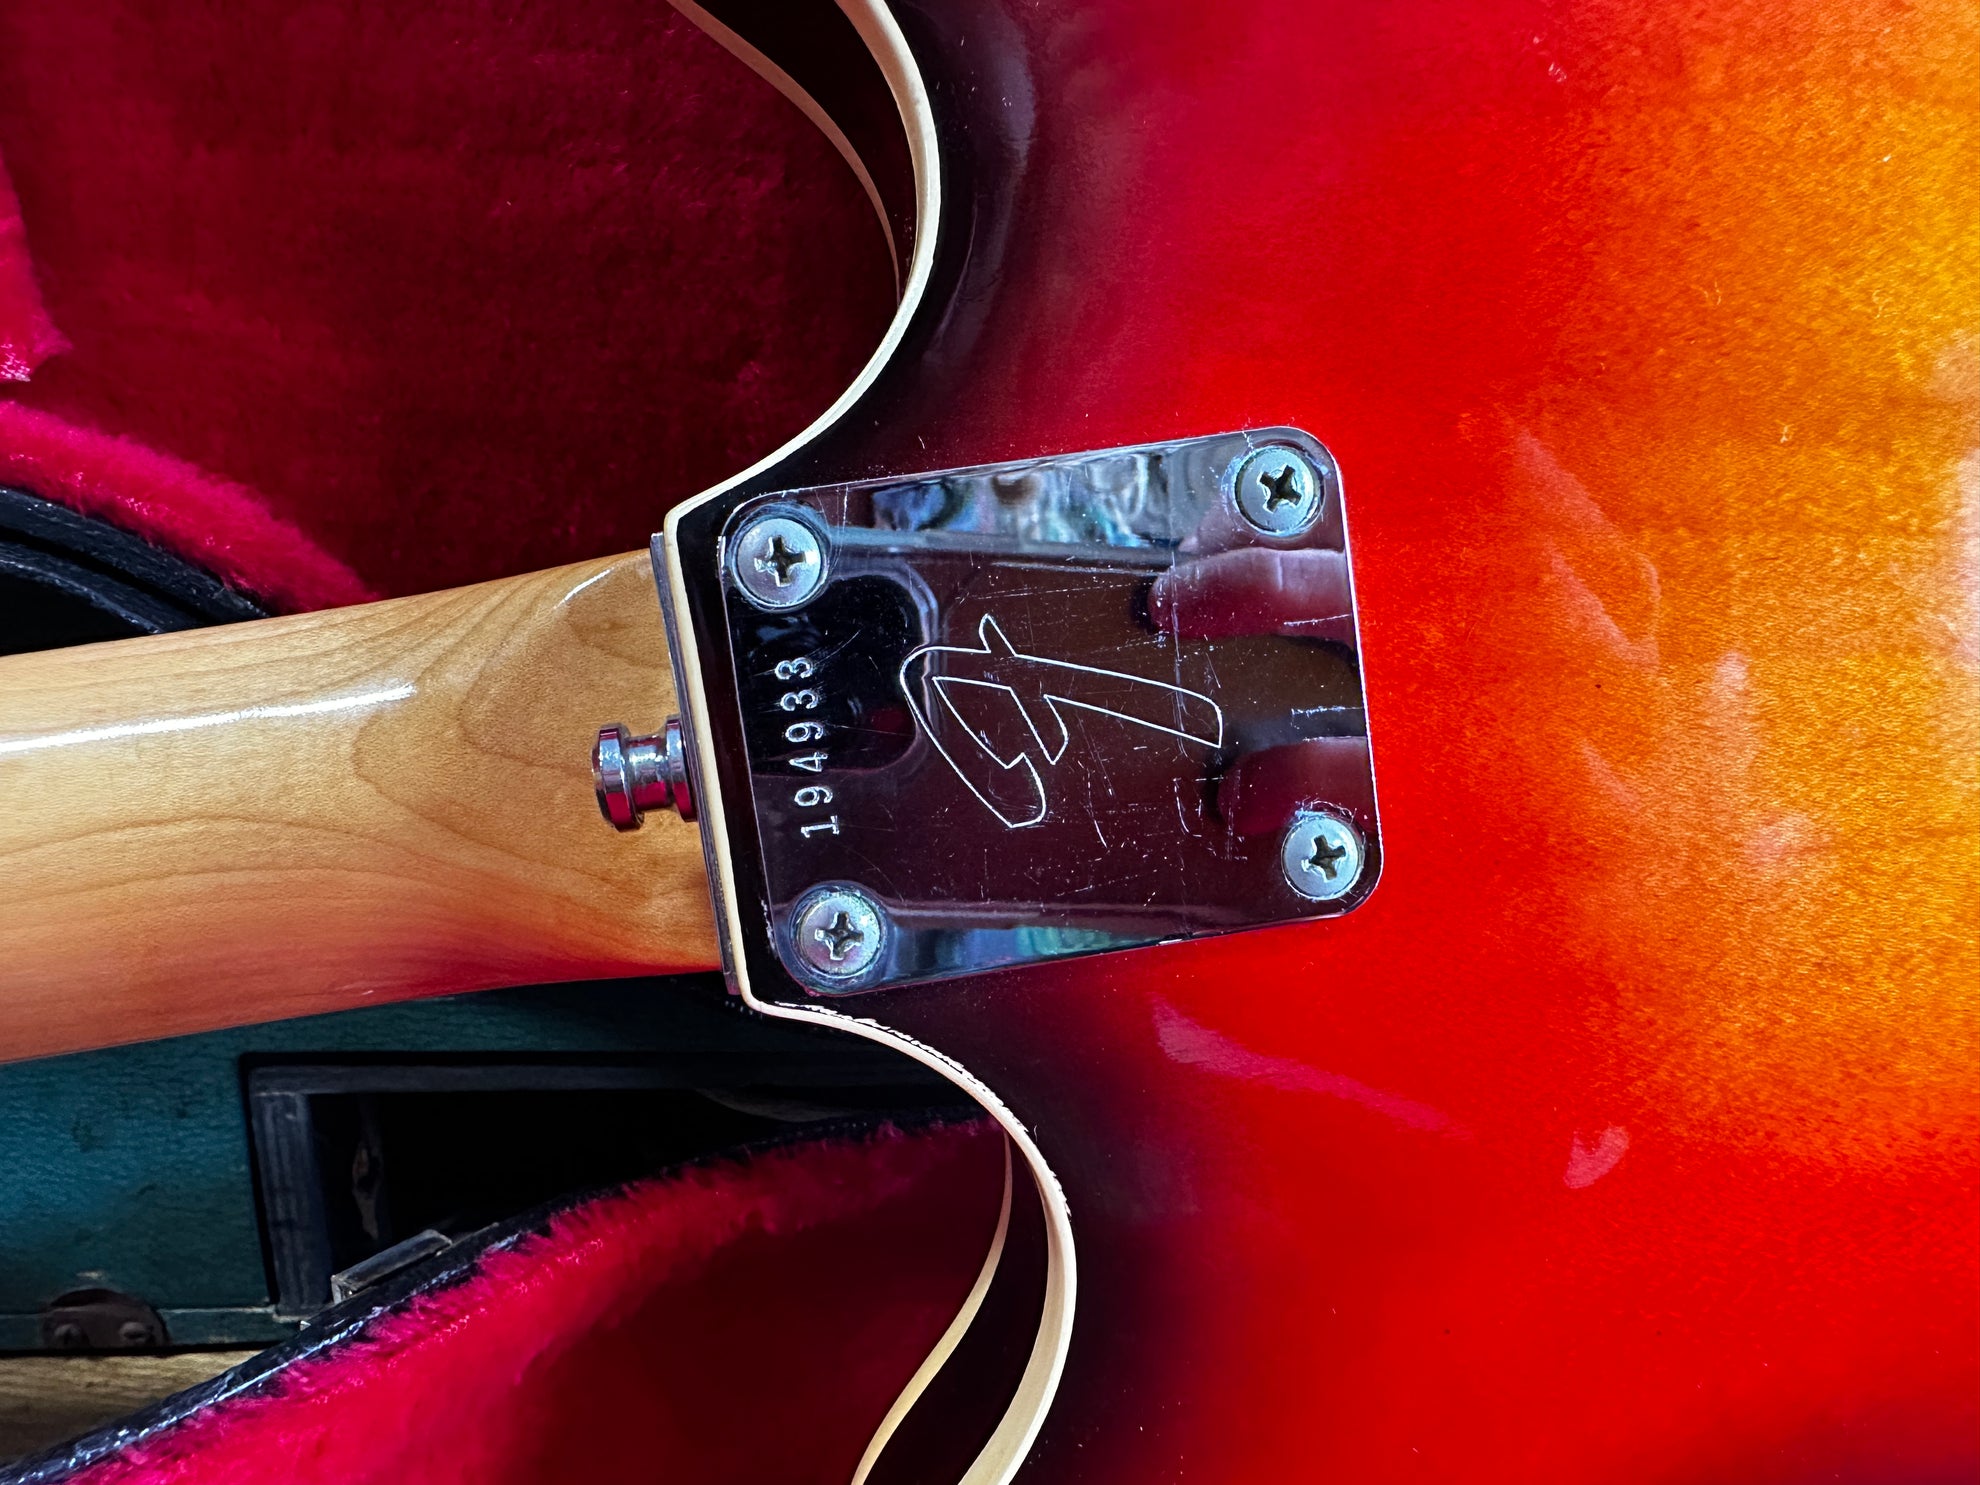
[(737, 1325), (342, 300), (384, 299)]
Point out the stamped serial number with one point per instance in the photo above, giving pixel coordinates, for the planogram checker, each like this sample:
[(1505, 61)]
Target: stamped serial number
[(801, 699)]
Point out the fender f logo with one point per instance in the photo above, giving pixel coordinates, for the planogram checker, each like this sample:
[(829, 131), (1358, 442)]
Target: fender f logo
[(994, 714)]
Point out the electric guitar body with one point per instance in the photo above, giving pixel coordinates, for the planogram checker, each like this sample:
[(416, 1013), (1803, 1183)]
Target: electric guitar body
[(1624, 1129)]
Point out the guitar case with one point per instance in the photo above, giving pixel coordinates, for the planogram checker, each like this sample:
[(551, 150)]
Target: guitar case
[(300, 309), (66, 579), (613, 1337)]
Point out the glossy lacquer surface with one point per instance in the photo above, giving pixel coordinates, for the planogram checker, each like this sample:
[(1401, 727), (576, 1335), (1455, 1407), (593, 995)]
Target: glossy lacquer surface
[(331, 810), (1628, 1132)]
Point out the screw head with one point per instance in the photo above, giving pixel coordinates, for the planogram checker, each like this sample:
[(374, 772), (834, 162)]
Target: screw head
[(1322, 856), (1277, 490), (838, 933), (778, 561)]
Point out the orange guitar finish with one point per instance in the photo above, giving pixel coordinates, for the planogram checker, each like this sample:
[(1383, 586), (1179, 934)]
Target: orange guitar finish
[(1629, 1132)]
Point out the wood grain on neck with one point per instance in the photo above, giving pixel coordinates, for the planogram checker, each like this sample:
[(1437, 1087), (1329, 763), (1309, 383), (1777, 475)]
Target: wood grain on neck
[(332, 810)]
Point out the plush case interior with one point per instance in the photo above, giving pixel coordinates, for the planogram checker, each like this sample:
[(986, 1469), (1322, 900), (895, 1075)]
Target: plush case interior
[(342, 301)]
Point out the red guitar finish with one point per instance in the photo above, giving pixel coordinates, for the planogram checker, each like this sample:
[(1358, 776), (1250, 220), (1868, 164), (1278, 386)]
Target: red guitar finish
[(1628, 1132)]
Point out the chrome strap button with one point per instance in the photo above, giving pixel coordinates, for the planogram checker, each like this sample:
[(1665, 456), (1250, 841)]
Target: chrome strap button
[(635, 774)]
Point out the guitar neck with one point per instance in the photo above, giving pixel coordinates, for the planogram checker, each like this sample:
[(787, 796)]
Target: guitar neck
[(334, 809)]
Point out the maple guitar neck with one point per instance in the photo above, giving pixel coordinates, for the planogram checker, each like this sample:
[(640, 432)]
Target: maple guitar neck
[(334, 809)]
